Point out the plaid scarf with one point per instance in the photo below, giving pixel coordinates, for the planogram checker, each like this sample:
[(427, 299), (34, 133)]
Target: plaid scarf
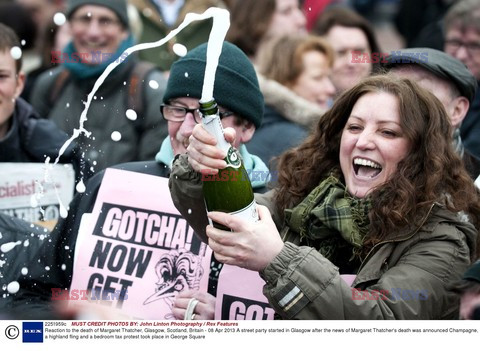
[(331, 220)]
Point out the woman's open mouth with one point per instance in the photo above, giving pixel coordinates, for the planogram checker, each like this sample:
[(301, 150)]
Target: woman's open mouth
[(366, 168)]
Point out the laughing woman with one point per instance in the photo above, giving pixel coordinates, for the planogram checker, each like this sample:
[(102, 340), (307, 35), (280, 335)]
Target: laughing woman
[(375, 191)]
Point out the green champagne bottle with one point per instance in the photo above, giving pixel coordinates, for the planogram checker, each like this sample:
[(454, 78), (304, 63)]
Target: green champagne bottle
[(230, 190)]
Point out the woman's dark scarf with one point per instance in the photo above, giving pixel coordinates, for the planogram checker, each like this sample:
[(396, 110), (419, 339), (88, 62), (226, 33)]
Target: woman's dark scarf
[(330, 219)]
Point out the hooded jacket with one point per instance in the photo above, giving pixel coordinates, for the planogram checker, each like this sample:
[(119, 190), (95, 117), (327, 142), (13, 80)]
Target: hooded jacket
[(412, 268), (286, 121), (107, 114)]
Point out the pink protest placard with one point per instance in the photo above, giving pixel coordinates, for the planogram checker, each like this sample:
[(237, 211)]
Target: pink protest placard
[(240, 297), (137, 252), (348, 278)]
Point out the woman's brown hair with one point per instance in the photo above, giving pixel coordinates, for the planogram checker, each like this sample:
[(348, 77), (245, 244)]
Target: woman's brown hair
[(250, 20), (345, 17), (432, 172)]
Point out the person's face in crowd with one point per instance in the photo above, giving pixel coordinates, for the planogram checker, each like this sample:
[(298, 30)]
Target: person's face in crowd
[(180, 132), (288, 18), (96, 28), (468, 302), (455, 106), (344, 40), (11, 87), (372, 143), (314, 82), (464, 45)]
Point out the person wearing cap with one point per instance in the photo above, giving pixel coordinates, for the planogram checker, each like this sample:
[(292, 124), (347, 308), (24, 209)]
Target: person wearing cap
[(469, 290), (462, 41), (240, 100), (449, 80), (100, 35)]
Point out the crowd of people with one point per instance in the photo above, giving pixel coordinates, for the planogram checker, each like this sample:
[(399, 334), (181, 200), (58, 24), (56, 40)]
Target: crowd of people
[(365, 164)]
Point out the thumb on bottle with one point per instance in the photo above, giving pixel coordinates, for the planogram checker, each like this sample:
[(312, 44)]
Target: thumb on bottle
[(230, 135), (264, 213)]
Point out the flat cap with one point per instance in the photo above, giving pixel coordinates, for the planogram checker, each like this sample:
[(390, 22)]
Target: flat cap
[(439, 63)]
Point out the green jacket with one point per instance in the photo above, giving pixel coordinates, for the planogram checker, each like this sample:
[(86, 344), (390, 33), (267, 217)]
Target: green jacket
[(412, 269), (140, 138), (155, 28)]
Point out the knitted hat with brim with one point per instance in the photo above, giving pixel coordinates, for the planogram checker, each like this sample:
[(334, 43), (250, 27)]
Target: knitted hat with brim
[(236, 84), (440, 64), (117, 6)]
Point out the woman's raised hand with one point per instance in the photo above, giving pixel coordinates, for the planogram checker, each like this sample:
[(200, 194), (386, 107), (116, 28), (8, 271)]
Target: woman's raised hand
[(252, 245)]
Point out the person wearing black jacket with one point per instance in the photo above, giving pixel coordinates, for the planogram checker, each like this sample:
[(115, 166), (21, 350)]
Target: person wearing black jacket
[(33, 299), (23, 241), (24, 136)]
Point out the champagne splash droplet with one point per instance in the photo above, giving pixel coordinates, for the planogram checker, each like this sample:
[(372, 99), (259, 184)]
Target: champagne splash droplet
[(16, 52), (13, 287), (116, 136), (80, 186)]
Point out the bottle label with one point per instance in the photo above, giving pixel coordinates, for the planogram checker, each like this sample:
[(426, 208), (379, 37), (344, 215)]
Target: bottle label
[(232, 158), (213, 125), (248, 213)]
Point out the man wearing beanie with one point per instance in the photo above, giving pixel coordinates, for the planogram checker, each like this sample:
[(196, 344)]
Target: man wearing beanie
[(100, 34), (241, 104), (236, 91), (449, 80)]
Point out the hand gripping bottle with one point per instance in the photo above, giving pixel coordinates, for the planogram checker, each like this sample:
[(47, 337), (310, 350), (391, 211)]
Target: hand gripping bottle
[(230, 190)]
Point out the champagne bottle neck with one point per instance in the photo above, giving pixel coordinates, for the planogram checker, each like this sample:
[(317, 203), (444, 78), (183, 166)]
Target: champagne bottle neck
[(208, 108), (212, 123)]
